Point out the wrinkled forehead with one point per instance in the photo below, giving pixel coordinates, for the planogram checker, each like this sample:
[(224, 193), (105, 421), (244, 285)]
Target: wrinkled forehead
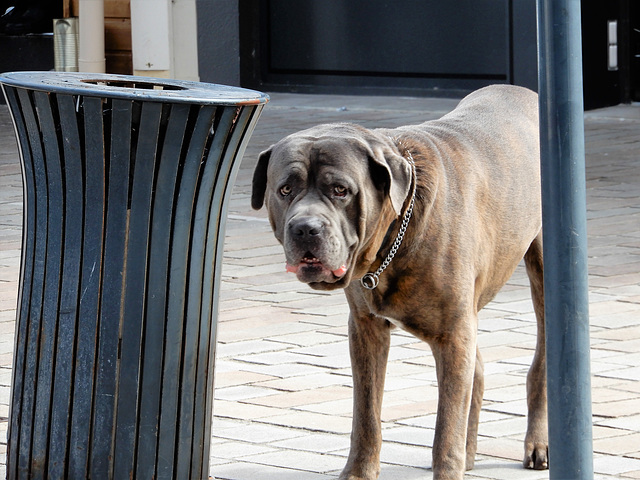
[(315, 153)]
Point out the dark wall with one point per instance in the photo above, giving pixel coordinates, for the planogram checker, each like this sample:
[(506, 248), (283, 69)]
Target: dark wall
[(524, 41), (410, 39), (603, 86), (375, 46), (25, 52), (414, 47)]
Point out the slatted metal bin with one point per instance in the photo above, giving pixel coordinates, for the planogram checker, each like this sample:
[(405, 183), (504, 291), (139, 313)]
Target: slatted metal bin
[(126, 182)]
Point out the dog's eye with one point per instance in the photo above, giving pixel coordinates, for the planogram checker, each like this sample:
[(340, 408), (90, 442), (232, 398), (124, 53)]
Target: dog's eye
[(285, 190), (340, 191)]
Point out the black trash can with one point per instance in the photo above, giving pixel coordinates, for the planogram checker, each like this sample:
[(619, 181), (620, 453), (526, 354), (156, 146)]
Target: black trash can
[(126, 181)]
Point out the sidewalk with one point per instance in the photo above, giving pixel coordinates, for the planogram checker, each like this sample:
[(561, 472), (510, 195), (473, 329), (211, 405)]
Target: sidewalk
[(283, 384)]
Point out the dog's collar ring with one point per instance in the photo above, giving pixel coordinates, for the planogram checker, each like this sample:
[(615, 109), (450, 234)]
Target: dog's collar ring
[(370, 280)]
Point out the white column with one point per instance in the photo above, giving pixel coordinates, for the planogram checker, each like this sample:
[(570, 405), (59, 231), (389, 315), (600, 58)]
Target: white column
[(185, 40), (164, 38), (91, 36)]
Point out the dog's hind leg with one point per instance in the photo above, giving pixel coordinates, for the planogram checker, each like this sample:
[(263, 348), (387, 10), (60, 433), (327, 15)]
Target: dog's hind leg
[(474, 413), (536, 440)]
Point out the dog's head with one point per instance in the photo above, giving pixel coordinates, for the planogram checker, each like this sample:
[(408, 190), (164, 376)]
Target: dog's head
[(331, 193)]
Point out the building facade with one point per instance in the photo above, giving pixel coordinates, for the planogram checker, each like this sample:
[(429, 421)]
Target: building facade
[(413, 47)]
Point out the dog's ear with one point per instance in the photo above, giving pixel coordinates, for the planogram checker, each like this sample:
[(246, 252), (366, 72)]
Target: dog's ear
[(391, 172), (259, 186)]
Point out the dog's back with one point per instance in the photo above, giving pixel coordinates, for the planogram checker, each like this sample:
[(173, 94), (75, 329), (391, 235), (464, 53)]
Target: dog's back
[(483, 161)]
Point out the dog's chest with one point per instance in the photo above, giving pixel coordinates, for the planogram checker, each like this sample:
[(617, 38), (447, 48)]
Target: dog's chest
[(386, 308), (396, 323), (415, 313)]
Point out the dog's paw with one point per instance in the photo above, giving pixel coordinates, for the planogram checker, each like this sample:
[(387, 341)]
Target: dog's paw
[(536, 455), (360, 474), (355, 477), (470, 462)]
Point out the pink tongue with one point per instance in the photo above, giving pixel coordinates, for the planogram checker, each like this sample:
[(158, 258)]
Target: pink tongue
[(341, 271), (338, 273)]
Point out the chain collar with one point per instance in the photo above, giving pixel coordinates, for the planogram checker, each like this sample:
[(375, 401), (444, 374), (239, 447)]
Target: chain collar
[(370, 280)]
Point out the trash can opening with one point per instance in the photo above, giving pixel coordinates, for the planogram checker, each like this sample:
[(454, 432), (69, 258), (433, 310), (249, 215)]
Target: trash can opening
[(134, 84)]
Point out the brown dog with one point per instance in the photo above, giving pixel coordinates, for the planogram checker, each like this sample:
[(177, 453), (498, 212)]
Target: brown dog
[(340, 199)]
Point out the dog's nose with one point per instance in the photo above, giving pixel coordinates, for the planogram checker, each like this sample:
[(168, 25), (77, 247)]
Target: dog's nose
[(306, 227)]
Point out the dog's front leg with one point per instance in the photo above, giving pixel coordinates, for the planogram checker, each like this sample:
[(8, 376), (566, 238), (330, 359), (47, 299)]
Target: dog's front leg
[(455, 366), (369, 339)]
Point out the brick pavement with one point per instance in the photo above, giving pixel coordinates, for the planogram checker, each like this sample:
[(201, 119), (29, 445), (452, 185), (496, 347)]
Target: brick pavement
[(283, 386)]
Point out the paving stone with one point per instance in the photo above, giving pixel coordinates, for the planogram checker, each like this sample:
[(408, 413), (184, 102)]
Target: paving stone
[(613, 393), (299, 459), (630, 346), (630, 423), (516, 407), (493, 470), (240, 410), (615, 465), (304, 397), (497, 324), (502, 447), (305, 382), (619, 445), (334, 348), (615, 320), (315, 442), (342, 407), (401, 409), (242, 392), (604, 369), (239, 329), (409, 435), (514, 425), (628, 333), (505, 337), (235, 378), (312, 422), (304, 339), (624, 373), (498, 380), (493, 368), (402, 472), (334, 362), (409, 455), (282, 370), (235, 349), (234, 450), (424, 421), (629, 386), (254, 432), (251, 471), (408, 368), (522, 306), (422, 361)]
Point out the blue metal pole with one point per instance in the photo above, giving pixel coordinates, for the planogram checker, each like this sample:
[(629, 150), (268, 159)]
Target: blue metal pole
[(565, 239)]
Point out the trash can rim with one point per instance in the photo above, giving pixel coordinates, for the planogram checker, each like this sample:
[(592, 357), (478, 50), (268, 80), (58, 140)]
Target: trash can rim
[(133, 87)]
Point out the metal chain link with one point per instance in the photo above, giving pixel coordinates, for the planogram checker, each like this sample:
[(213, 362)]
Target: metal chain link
[(371, 280)]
